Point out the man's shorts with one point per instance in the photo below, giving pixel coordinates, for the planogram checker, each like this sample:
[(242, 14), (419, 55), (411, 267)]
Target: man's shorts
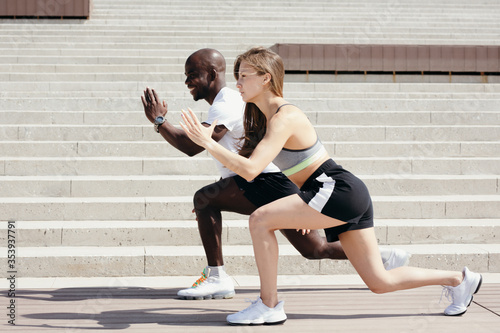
[(266, 188)]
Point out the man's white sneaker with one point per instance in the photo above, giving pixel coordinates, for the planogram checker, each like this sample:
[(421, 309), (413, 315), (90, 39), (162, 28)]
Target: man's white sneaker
[(259, 314), (396, 259), (461, 295), (208, 287)]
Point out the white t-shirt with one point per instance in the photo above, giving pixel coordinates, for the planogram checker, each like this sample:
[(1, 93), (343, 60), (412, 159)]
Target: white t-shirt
[(228, 108)]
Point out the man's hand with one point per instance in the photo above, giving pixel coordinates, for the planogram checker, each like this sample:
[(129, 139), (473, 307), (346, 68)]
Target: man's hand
[(152, 106)]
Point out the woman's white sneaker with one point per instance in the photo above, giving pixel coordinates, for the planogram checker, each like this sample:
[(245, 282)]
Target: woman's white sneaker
[(259, 314), (461, 296)]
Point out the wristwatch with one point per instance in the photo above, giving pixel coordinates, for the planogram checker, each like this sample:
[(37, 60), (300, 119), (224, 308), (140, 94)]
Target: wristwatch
[(158, 122)]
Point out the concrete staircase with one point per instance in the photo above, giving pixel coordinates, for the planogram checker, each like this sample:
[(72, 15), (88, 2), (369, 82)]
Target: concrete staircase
[(96, 192)]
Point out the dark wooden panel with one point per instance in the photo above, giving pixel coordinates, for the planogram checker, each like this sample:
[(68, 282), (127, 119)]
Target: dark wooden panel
[(45, 8), (390, 58)]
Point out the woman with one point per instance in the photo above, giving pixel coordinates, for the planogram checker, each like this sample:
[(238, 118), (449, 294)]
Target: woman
[(331, 198)]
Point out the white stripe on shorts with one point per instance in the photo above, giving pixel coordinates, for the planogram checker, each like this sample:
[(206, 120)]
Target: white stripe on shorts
[(319, 201)]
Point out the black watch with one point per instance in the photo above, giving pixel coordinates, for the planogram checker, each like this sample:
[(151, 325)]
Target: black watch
[(158, 122)]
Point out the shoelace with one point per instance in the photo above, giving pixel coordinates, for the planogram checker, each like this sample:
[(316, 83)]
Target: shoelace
[(248, 300), (202, 279), (448, 294)]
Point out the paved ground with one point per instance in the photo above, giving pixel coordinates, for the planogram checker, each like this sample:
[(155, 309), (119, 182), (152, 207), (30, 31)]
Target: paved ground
[(339, 305)]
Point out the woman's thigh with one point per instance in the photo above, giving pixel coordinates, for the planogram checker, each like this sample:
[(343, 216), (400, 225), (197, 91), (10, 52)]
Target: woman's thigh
[(291, 213)]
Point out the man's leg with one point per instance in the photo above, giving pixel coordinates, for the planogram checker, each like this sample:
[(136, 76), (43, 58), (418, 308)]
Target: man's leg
[(313, 245), (209, 202)]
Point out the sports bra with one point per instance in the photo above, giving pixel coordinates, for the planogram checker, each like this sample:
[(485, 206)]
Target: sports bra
[(291, 161)]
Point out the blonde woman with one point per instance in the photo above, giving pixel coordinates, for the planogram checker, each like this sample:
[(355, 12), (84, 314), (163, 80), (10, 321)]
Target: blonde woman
[(330, 197)]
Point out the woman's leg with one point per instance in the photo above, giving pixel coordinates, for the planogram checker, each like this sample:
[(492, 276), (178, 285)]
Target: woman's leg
[(361, 248), (288, 213)]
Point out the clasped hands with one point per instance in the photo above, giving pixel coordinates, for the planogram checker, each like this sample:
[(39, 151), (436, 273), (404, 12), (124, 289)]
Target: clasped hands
[(152, 106)]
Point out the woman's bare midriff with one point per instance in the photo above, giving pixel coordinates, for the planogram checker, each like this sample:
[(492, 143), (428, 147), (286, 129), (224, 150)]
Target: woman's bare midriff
[(300, 177)]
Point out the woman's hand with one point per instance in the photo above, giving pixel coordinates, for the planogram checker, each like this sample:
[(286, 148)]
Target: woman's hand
[(199, 134)]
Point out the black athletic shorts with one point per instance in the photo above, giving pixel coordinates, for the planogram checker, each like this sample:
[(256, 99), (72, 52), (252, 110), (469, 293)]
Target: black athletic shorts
[(339, 194), (266, 188)]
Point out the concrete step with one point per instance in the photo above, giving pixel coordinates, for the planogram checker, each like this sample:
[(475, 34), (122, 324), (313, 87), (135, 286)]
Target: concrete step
[(220, 35), (219, 40), (178, 87), (219, 28), (306, 104), (178, 185), (50, 132), (102, 261), (132, 85), (180, 207), (472, 118), (377, 149), (235, 232), (126, 166)]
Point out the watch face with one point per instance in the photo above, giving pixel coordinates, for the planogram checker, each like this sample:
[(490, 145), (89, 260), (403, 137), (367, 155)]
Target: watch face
[(159, 120)]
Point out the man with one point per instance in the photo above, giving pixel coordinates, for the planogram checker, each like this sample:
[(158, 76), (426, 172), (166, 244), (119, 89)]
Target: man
[(205, 78)]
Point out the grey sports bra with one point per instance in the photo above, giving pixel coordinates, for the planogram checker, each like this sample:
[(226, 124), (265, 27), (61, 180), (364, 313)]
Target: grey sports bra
[(291, 161)]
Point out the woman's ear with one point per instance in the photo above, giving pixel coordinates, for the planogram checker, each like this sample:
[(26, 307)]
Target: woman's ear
[(267, 79)]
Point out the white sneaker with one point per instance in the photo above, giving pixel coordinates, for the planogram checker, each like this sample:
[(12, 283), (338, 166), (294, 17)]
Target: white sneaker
[(209, 287), (461, 295), (397, 258), (259, 314)]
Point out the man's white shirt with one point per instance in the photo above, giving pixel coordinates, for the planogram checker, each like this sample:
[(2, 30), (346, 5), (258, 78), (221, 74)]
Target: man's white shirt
[(228, 109)]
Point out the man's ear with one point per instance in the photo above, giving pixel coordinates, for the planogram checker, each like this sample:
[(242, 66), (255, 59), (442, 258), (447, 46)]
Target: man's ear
[(213, 74)]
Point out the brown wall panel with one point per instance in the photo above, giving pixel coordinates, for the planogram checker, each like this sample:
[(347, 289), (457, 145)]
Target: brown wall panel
[(412, 58), (31, 6), (47, 8), (306, 57), (377, 58), (365, 57), (71, 7), (11, 7), (470, 59), (458, 60), (389, 58), (3, 6), (294, 56), (353, 55), (318, 57), (341, 57), (447, 58), (424, 58), (330, 59), (482, 59), (493, 59), (400, 61), (435, 63)]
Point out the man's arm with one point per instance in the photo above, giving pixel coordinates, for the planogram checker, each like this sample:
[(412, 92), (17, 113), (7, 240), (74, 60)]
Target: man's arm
[(176, 137)]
